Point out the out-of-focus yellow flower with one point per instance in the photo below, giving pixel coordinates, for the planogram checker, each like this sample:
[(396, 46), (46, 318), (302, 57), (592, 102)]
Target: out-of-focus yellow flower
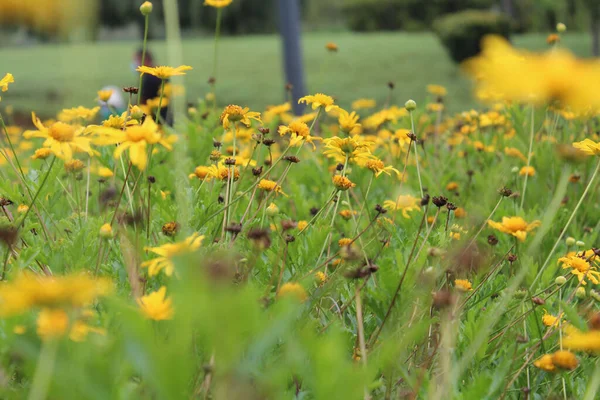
[(514, 152), (292, 290), (362, 104), (452, 186), (378, 167), (583, 341), (517, 75), (156, 306), (269, 186), (52, 323), (299, 132), (356, 149), (319, 100), (164, 72), (545, 363), (437, 90), (565, 359), (348, 121), (588, 147), (217, 3), (233, 113), (167, 252), (78, 114), (8, 78), (332, 47), (106, 231), (104, 95), (527, 170), (404, 202), (28, 291), (515, 226), (22, 209)]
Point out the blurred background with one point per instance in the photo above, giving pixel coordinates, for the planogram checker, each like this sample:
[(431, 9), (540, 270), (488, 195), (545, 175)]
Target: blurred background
[(62, 51)]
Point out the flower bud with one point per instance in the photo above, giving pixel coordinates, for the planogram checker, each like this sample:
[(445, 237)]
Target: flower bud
[(579, 243), (570, 241), (595, 295), (106, 231), (136, 113), (514, 170), (580, 293), (560, 27), (560, 280), (272, 210), (410, 105), (146, 8)]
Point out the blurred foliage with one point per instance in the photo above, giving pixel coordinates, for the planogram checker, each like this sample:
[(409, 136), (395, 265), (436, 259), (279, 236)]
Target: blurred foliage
[(461, 32)]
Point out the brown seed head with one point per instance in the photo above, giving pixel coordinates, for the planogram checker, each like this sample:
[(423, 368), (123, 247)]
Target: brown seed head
[(131, 90), (439, 201)]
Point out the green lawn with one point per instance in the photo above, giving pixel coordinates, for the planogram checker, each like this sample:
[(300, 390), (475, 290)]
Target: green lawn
[(52, 77)]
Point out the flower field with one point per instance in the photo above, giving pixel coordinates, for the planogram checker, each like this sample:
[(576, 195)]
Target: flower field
[(377, 251)]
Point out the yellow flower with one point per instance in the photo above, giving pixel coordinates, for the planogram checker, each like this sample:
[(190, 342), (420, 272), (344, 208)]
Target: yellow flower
[(588, 147), (78, 114), (319, 100), (529, 171), (452, 186), (355, 148), (463, 285), (28, 291), (74, 165), (8, 78), (342, 183), (104, 172), (163, 72), (134, 138), (233, 113), (217, 3), (80, 331), (378, 167), (276, 111), (292, 290), (201, 172), (515, 226), (437, 90), (565, 359), (435, 107), (52, 323), (299, 132), (549, 319), (106, 231), (167, 252), (269, 186), (349, 121), (405, 202), (22, 209), (583, 341), (516, 75), (513, 152), (581, 268), (321, 276), (156, 305), (221, 172), (331, 47), (302, 225), (104, 95), (347, 214), (361, 104), (460, 212), (545, 363), (61, 138)]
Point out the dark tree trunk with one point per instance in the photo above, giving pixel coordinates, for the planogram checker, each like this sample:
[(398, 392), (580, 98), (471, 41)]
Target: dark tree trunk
[(507, 7), (595, 36)]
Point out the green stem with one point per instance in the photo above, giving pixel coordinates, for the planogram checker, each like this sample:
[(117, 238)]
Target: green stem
[(144, 45), (38, 191), (43, 371), (14, 152), (531, 135), (412, 125), (216, 55)]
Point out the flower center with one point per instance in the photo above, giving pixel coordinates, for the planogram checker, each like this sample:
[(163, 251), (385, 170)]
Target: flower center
[(61, 132)]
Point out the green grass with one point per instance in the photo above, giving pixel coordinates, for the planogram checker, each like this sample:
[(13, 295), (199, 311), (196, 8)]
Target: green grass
[(52, 77)]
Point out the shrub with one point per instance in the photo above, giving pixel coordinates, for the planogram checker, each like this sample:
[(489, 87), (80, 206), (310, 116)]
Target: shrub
[(461, 32)]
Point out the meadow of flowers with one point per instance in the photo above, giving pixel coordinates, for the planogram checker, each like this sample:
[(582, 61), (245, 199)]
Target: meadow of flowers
[(377, 251)]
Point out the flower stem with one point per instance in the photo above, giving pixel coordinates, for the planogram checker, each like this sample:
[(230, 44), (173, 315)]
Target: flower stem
[(144, 45), (412, 125), (531, 135), (43, 371), (564, 230), (38, 191)]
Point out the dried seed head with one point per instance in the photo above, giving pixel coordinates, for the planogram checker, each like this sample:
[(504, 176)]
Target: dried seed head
[(425, 200), (362, 272), (211, 80), (314, 211), (451, 206), (339, 167), (264, 131), (151, 179), (380, 210), (5, 202), (170, 228), (289, 239), (287, 224), (221, 199), (391, 85), (257, 171), (268, 142), (230, 161), (439, 201), (443, 299), (412, 136), (511, 258), (234, 227), (292, 159), (492, 240), (538, 301), (131, 90), (217, 144), (506, 192), (260, 237)]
